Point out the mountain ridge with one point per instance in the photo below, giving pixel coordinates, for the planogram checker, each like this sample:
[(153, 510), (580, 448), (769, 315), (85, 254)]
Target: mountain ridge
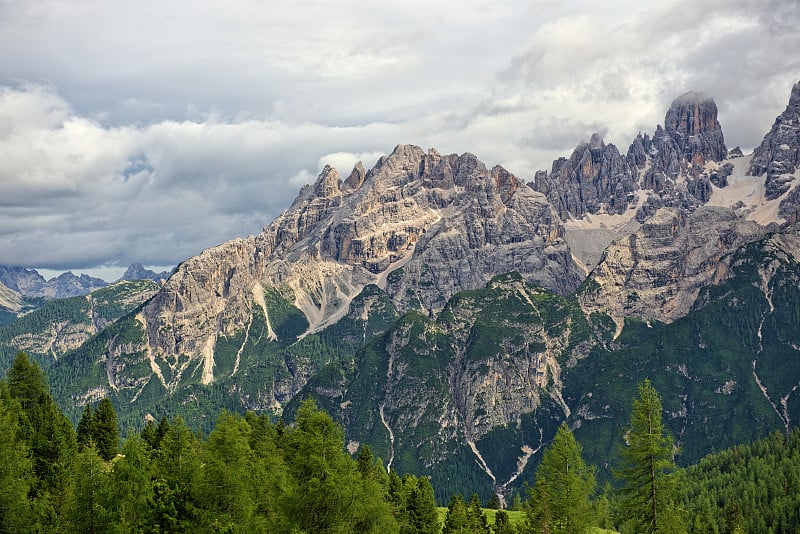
[(435, 304)]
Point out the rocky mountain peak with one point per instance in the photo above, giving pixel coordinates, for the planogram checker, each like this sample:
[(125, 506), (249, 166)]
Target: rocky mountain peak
[(420, 225), (136, 271), (596, 142), (328, 183), (29, 283), (596, 178), (692, 122), (778, 155), (356, 178)]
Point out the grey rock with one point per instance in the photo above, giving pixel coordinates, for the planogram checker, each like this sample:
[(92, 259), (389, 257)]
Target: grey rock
[(719, 177), (735, 153), (136, 271), (692, 122), (29, 283), (657, 272), (778, 155), (595, 178)]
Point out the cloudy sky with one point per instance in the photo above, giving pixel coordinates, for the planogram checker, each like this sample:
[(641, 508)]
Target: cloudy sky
[(148, 131)]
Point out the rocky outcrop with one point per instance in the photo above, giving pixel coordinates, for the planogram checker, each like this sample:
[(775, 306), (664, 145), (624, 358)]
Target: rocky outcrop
[(692, 123), (675, 168), (595, 178), (10, 299), (778, 155), (671, 167), (657, 272)]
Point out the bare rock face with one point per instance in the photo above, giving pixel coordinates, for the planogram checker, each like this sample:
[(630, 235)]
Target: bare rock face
[(692, 122), (778, 155), (656, 272), (675, 168), (422, 225), (672, 166), (595, 178)]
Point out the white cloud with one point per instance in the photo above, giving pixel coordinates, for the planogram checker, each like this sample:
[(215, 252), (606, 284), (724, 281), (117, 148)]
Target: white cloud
[(145, 132)]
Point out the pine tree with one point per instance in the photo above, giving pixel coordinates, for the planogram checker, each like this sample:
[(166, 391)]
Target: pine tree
[(161, 431), (177, 467), (225, 484), (104, 430), (132, 487), (26, 382), (494, 502), (331, 495), (148, 434), (86, 510), (564, 484), (85, 427), (44, 428), (365, 461), (648, 495), (271, 482)]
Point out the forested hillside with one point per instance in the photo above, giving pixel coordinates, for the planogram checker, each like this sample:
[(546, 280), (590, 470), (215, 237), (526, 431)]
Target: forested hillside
[(253, 474)]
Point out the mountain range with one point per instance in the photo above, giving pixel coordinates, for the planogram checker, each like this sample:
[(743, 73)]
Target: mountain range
[(452, 315), (23, 290)]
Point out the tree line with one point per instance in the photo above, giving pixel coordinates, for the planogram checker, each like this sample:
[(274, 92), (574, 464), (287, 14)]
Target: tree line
[(250, 474)]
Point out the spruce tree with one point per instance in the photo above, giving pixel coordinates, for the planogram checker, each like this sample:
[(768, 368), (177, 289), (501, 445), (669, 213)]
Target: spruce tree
[(564, 485), (456, 521), (476, 518), (85, 427), (16, 472), (649, 494), (422, 514), (104, 430)]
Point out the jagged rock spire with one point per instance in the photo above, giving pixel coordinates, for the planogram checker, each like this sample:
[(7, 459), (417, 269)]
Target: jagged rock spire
[(778, 155), (692, 122), (595, 177)]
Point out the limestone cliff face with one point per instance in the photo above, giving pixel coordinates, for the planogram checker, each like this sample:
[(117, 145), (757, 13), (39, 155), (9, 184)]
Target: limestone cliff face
[(432, 224), (692, 123), (657, 271), (669, 169), (778, 156), (595, 178)]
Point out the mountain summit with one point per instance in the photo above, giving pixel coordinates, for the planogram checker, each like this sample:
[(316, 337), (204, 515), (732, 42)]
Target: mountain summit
[(692, 122), (420, 225)]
